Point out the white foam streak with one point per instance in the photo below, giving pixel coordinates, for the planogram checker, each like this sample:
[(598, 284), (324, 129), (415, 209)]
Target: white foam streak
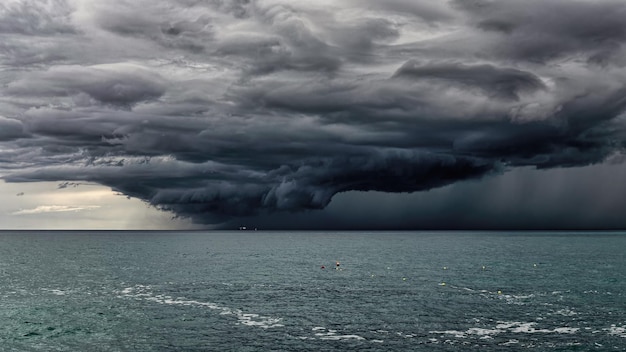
[(342, 337), (502, 327), (617, 331), (55, 291), (248, 319), (322, 333), (566, 312), (510, 342), (529, 328)]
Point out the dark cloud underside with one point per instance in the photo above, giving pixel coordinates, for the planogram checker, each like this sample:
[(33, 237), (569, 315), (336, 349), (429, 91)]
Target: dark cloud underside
[(216, 109)]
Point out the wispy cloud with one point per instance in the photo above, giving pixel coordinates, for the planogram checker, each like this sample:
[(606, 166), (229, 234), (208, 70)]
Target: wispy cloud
[(55, 209)]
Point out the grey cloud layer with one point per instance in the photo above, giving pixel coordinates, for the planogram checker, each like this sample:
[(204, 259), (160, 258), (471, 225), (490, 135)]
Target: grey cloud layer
[(109, 84), (215, 109), (497, 82)]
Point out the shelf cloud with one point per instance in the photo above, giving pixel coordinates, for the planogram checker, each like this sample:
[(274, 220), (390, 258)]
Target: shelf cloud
[(219, 109)]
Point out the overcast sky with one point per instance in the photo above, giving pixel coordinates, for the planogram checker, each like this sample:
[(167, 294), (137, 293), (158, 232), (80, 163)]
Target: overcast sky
[(395, 114)]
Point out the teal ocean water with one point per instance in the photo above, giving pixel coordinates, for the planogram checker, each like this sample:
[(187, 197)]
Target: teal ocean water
[(266, 291)]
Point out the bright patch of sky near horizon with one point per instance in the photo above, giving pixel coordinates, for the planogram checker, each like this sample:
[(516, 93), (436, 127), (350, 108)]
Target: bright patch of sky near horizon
[(45, 206)]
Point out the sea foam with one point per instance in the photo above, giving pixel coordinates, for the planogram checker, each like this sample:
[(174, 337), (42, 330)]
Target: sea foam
[(506, 327), (142, 292)]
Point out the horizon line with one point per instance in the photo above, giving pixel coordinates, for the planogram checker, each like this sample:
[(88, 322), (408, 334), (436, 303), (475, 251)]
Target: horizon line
[(316, 230)]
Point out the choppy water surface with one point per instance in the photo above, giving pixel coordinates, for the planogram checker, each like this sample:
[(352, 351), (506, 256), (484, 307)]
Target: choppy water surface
[(257, 291)]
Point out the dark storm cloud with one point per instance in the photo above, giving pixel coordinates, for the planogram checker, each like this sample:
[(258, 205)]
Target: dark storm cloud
[(543, 30), (214, 109), (135, 19), (10, 129), (428, 11), (498, 82), (108, 84)]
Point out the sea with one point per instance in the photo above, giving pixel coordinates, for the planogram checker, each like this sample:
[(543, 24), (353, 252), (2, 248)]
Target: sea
[(312, 291)]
